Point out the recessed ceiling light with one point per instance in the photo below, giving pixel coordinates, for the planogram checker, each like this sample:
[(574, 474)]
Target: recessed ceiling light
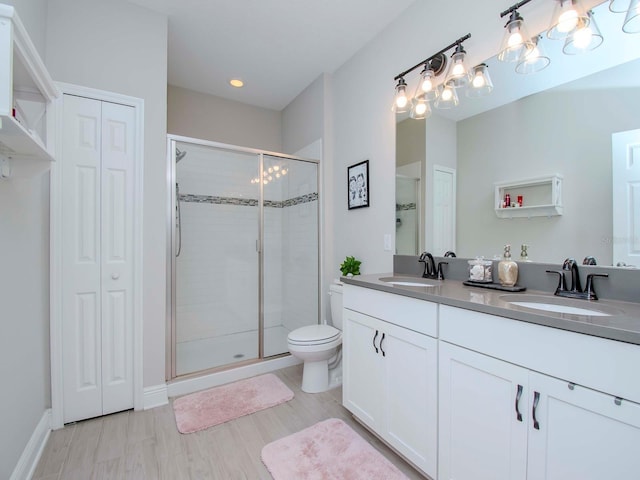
[(236, 82)]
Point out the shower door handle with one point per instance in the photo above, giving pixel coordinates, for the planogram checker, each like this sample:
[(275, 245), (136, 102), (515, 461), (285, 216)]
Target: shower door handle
[(178, 220)]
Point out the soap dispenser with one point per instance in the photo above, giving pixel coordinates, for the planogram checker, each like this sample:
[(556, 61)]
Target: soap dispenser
[(507, 269)]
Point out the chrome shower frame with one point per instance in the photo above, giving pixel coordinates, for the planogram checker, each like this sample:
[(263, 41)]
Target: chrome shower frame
[(172, 140)]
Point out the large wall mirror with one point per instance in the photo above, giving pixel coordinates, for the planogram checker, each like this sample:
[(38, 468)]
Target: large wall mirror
[(561, 121)]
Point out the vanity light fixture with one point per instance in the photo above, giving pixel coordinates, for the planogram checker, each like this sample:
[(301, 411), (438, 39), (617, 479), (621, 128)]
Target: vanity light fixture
[(400, 100), (516, 42), (536, 60), (458, 73), (480, 84), (426, 90), (567, 16), (584, 38), (632, 20)]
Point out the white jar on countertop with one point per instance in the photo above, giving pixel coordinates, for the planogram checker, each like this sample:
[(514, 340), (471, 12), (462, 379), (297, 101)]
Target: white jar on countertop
[(480, 270)]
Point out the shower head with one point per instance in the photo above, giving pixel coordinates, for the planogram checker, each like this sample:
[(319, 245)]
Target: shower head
[(180, 154)]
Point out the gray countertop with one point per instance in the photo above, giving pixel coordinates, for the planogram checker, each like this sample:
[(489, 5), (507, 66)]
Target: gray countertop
[(622, 325)]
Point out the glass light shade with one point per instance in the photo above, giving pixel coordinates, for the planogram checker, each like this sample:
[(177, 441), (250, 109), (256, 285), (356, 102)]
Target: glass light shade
[(480, 83), (401, 102), (632, 20), (535, 60), (426, 85), (584, 38), (567, 15), (618, 6), (515, 42), (421, 109), (458, 73), (447, 97)]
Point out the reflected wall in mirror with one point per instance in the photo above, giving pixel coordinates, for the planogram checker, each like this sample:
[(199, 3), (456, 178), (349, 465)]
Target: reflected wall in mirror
[(518, 134)]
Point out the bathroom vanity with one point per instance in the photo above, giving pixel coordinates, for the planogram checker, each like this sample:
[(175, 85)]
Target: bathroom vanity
[(468, 385)]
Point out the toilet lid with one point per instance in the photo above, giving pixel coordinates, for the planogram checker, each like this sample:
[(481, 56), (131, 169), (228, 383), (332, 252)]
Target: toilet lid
[(314, 334)]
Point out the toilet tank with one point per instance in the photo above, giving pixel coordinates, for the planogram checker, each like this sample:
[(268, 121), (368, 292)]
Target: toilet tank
[(335, 291)]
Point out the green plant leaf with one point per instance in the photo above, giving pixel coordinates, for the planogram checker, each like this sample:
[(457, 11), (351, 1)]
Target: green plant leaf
[(350, 265)]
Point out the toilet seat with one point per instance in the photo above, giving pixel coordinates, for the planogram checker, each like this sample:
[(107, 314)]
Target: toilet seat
[(314, 335)]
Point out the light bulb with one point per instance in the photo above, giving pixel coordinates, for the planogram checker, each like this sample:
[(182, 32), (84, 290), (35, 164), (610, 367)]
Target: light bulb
[(427, 85), (265, 181), (421, 108), (401, 99), (269, 178), (276, 168), (533, 55), (582, 38), (458, 70), (478, 80), (567, 21), (446, 94), (277, 175), (515, 39), (284, 171), (270, 170)]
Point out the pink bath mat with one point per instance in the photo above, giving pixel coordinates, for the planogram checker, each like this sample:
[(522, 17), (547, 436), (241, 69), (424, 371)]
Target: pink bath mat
[(217, 405), (328, 450)]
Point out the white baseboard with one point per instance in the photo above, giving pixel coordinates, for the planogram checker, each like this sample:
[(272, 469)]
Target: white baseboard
[(155, 396), (190, 385), (28, 461)]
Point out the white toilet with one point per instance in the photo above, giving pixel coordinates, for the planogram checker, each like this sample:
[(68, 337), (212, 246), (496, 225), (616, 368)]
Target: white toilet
[(316, 345)]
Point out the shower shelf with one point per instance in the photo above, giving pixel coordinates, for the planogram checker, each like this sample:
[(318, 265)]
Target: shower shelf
[(26, 93)]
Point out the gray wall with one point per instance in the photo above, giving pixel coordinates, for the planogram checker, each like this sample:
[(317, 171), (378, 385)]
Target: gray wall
[(199, 115), (24, 290), (303, 118), (565, 132), (119, 47)]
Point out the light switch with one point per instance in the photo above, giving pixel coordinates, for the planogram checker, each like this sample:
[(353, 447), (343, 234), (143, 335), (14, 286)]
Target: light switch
[(387, 242)]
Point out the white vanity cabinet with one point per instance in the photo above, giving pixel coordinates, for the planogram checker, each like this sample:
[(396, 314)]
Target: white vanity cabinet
[(390, 370), (505, 414)]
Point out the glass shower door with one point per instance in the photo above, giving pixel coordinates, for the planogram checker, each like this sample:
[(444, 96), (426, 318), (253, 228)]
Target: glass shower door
[(291, 263), (216, 263)]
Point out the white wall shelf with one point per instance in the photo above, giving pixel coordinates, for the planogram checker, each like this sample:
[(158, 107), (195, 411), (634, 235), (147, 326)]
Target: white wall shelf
[(542, 197), (26, 92)]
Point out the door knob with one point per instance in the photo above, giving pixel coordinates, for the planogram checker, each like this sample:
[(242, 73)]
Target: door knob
[(115, 276)]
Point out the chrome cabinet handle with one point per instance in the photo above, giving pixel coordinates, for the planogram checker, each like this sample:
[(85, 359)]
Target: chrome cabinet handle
[(382, 340), (536, 399), (518, 395), (374, 341)]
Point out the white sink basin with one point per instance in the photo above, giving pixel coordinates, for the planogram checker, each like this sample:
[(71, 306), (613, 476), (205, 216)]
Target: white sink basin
[(559, 305), (408, 281)]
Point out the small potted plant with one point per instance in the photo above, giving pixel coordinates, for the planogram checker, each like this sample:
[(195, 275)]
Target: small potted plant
[(350, 267)]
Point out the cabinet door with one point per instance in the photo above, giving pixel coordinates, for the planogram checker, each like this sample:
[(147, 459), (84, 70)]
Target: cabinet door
[(581, 434), (362, 391), (410, 371), (481, 435)]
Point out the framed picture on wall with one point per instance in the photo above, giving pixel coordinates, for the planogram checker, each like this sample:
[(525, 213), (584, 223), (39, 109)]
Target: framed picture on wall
[(358, 185)]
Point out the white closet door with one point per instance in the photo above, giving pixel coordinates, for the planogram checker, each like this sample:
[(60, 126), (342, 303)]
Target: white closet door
[(97, 266), (117, 256), (81, 295)]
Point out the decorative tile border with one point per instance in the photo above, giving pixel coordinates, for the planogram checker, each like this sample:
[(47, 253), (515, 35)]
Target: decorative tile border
[(247, 202), (405, 206)]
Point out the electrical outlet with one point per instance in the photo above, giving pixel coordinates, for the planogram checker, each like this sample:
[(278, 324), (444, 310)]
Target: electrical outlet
[(387, 242)]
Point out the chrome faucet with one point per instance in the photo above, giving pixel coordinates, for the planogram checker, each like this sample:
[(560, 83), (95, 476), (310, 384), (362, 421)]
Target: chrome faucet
[(570, 265), (430, 270)]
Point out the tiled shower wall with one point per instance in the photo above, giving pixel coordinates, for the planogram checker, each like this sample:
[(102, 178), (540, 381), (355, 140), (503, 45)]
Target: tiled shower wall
[(217, 271)]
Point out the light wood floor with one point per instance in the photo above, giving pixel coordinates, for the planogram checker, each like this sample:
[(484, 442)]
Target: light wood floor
[(147, 445)]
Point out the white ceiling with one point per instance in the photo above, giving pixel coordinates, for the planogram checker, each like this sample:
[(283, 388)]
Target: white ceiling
[(277, 47)]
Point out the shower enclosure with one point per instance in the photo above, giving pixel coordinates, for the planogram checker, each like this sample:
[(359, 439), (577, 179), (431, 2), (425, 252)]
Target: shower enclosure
[(244, 253)]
